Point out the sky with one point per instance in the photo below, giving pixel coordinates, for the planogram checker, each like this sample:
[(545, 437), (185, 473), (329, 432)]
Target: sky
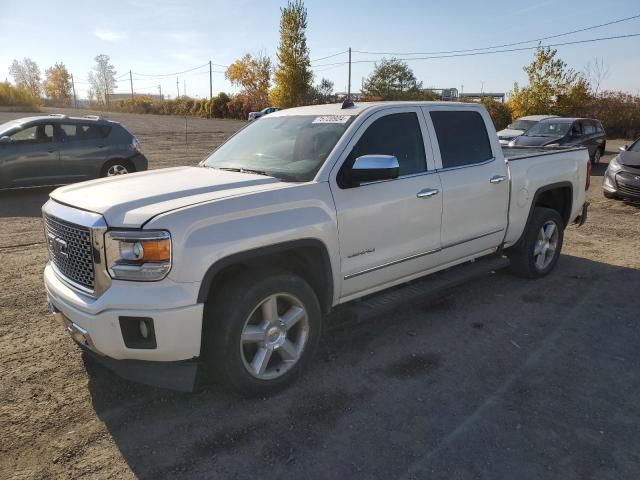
[(156, 38)]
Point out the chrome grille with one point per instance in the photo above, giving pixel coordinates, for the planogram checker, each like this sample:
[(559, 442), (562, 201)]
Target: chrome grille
[(70, 251)]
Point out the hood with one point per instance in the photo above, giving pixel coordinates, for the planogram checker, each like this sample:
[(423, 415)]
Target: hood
[(629, 159), (524, 141), (133, 199), (508, 133)]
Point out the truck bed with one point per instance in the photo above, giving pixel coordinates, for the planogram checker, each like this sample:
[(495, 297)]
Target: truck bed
[(518, 153)]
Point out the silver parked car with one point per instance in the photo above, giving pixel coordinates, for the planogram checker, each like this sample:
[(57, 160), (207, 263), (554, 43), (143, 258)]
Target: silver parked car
[(57, 149), (262, 113)]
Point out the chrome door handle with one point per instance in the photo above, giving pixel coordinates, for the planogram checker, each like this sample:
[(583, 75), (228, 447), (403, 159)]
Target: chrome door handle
[(497, 179), (427, 193)]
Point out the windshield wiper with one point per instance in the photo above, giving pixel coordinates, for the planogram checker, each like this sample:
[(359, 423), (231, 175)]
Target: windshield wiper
[(244, 170)]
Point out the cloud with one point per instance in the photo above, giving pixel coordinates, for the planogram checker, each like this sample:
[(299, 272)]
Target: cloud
[(109, 35)]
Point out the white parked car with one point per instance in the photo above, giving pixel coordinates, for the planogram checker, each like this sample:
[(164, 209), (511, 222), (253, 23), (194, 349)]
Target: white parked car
[(520, 126), (232, 265), (262, 113)]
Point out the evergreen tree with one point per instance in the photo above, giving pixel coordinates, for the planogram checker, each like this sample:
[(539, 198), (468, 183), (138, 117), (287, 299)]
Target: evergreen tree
[(293, 76)]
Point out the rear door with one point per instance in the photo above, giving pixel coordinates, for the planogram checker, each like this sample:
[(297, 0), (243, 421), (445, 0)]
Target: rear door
[(32, 158), (474, 182), (83, 151), (388, 230)]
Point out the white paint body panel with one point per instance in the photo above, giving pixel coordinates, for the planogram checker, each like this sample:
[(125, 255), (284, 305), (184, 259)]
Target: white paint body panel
[(212, 215)]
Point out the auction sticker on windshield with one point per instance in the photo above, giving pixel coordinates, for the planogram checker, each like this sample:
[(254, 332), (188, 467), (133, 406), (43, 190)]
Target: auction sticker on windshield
[(332, 119)]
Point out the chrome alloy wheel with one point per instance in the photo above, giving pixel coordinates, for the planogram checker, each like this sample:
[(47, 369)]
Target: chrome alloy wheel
[(117, 169), (274, 336), (546, 245)]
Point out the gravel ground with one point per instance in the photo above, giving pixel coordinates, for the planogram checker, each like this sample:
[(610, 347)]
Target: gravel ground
[(498, 378)]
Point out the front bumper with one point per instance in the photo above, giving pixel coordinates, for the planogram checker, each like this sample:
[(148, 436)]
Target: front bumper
[(622, 184), (95, 325)]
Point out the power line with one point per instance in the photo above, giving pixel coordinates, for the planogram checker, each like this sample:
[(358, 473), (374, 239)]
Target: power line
[(171, 74), (506, 44), (329, 56), (576, 42)]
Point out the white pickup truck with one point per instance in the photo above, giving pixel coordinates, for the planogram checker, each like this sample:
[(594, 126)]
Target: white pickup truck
[(232, 265)]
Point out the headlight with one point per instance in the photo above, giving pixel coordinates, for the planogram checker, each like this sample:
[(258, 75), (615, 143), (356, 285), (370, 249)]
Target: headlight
[(138, 255), (614, 165), (512, 143)]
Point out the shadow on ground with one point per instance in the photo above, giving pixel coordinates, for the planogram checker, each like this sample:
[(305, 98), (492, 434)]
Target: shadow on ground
[(499, 376), (25, 202)]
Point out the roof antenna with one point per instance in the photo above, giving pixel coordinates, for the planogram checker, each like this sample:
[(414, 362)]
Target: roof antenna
[(348, 103)]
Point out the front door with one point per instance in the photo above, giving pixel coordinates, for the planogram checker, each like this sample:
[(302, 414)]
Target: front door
[(474, 180), (388, 230), (31, 158)]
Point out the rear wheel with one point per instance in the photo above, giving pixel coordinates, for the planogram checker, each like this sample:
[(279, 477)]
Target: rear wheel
[(539, 250), (597, 156), (116, 167), (261, 331)]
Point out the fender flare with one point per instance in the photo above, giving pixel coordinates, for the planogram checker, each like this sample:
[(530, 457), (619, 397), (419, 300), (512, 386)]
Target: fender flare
[(248, 255)]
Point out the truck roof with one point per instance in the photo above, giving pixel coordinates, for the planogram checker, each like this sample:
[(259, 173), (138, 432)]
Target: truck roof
[(358, 108)]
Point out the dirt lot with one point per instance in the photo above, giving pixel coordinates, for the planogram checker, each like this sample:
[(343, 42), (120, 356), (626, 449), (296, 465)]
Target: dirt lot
[(499, 378)]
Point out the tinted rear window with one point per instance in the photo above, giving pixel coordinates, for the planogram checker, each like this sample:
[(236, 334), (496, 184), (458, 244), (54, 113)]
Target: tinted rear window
[(462, 137)]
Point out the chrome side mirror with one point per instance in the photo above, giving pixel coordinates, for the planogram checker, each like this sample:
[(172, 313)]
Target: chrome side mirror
[(622, 148), (370, 168)]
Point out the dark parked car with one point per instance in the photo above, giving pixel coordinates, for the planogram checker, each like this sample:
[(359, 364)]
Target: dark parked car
[(262, 113), (566, 132), (622, 177), (56, 149)]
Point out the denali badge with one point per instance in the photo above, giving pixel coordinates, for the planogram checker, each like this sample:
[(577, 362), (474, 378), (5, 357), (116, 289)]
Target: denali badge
[(57, 245)]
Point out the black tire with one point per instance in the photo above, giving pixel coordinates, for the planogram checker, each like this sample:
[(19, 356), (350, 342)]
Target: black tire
[(596, 157), (126, 164), (523, 258), (225, 317)]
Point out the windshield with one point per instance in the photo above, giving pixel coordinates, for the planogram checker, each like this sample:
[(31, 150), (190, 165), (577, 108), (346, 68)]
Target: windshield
[(292, 148), (634, 147), (521, 124), (6, 127), (548, 129)]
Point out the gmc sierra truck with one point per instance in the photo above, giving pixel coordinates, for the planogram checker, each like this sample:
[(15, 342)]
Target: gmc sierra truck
[(232, 265)]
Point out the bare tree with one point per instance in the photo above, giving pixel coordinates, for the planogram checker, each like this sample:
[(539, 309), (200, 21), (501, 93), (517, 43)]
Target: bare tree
[(597, 72), (26, 74), (103, 79)]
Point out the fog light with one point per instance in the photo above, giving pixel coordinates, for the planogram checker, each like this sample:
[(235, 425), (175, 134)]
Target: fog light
[(144, 329)]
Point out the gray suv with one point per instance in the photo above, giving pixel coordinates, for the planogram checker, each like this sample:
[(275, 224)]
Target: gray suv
[(57, 149)]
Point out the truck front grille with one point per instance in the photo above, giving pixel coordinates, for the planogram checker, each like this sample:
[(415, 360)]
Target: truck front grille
[(69, 248)]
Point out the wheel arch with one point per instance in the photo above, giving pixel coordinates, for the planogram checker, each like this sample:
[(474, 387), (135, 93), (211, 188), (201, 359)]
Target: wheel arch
[(557, 196), (308, 258)]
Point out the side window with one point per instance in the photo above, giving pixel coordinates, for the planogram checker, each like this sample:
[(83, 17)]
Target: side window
[(588, 128), (599, 128), (34, 135), (397, 134), (70, 132), (92, 132), (576, 129), (462, 137)]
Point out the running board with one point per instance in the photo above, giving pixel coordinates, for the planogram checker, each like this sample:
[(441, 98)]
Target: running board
[(428, 288)]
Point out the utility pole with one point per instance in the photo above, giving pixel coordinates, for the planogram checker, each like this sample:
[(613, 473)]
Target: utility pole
[(160, 90), (73, 86), (184, 88), (349, 87), (210, 81), (131, 82), (178, 87)]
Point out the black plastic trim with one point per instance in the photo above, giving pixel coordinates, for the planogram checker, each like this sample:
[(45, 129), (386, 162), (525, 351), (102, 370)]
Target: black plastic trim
[(248, 255), (539, 192)]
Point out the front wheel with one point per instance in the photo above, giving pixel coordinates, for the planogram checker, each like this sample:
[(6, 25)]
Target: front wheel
[(540, 247), (261, 331)]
